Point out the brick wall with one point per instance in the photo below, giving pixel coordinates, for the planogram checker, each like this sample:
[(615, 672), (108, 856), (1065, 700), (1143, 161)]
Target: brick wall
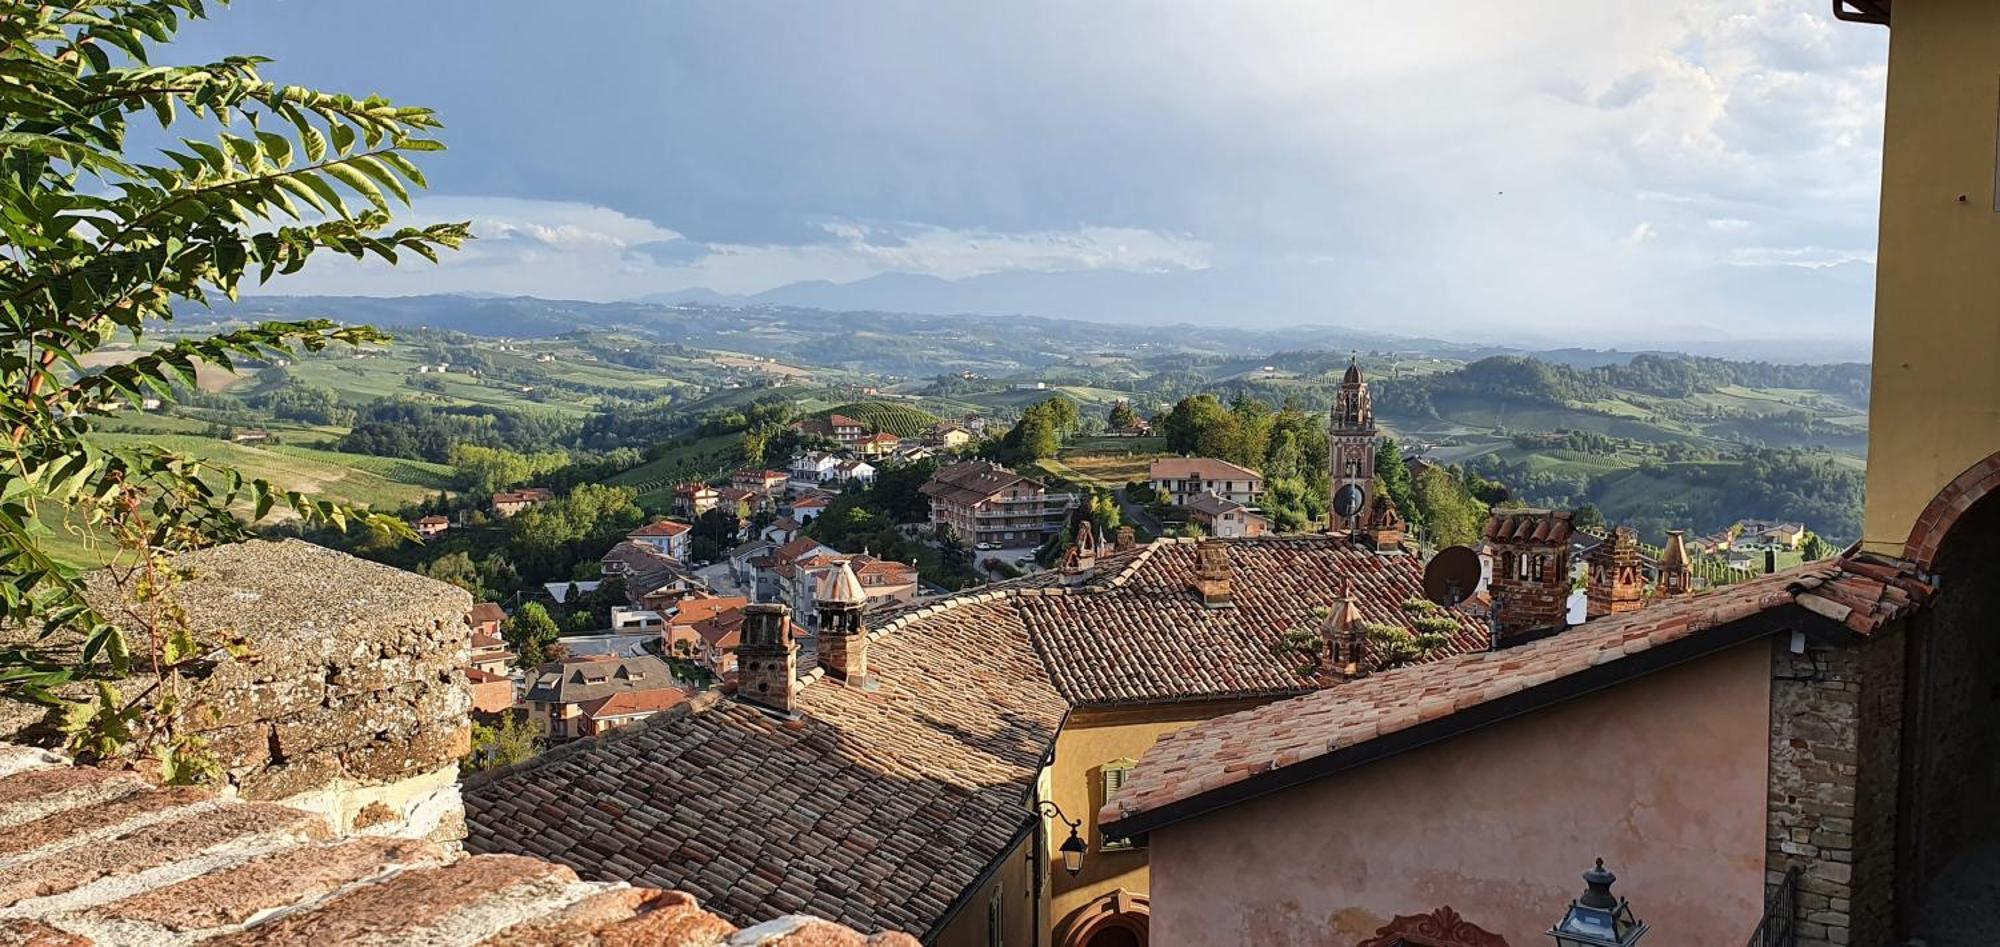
[(1835, 734), (1815, 751)]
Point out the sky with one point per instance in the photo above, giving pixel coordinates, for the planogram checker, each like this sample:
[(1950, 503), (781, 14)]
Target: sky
[(1535, 170)]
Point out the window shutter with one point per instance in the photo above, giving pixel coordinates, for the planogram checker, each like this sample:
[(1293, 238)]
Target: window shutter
[(1116, 773)]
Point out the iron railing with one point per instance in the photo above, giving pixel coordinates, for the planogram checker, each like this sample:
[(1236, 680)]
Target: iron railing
[(1780, 926)]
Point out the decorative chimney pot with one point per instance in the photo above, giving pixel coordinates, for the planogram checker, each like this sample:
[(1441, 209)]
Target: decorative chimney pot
[(1617, 582), (843, 641), (767, 662), (1530, 584)]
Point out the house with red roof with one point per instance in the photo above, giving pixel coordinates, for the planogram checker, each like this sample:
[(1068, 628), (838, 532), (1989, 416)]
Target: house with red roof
[(667, 536)]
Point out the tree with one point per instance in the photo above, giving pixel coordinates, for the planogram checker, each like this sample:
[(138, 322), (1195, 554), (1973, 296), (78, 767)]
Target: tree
[(100, 244), (486, 469), (530, 632), (1589, 518), (507, 741), (1394, 477), (1122, 416), (1452, 516)]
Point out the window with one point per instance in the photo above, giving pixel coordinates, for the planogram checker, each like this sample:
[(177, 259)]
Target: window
[(996, 921), (1115, 773)]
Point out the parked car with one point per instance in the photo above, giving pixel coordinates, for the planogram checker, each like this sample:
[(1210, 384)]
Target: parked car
[(986, 547), (1027, 560)]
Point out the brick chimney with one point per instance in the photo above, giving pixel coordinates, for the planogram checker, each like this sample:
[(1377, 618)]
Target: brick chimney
[(1381, 526), (1530, 584), (1081, 557), (1617, 583), (1676, 569), (767, 662), (1346, 645), (1211, 574), (1125, 539), (843, 641)]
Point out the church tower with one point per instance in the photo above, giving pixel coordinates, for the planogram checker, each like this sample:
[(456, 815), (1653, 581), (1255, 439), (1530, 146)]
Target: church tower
[(1351, 438)]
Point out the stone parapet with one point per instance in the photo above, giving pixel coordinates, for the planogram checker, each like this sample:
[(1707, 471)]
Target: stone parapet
[(90, 857)]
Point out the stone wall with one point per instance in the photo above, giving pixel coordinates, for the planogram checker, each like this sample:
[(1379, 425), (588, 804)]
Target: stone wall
[(1835, 734), (352, 702)]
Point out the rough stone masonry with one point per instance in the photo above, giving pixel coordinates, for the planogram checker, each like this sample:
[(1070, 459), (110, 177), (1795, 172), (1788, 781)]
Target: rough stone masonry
[(352, 701)]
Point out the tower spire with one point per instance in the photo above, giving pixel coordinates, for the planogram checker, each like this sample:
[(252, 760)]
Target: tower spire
[(1351, 435)]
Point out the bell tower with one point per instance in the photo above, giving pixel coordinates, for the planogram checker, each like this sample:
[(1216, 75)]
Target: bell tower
[(1351, 438)]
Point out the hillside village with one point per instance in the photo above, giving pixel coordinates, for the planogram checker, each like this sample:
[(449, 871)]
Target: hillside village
[(616, 636)]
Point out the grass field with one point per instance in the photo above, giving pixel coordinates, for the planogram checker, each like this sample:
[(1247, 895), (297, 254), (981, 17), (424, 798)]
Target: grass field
[(375, 482)]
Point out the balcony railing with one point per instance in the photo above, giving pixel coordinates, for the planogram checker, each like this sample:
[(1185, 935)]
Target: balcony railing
[(1780, 926)]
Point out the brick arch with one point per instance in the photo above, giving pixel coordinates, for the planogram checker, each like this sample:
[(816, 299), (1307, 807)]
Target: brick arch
[(1944, 510), (1120, 909)]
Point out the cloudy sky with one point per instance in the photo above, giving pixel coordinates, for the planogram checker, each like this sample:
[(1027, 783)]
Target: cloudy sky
[(1537, 169)]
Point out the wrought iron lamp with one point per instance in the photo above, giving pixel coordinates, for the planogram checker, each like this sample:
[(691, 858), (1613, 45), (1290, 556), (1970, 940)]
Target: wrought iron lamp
[(1598, 918), (1072, 848)]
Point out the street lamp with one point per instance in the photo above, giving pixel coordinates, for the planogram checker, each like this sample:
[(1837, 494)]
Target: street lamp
[(1599, 918), (1072, 848)]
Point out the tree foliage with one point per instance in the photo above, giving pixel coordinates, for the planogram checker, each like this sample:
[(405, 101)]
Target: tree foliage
[(97, 245)]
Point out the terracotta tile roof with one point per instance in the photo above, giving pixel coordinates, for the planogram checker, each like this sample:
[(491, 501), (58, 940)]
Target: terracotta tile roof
[(485, 612), (628, 703), (723, 629), (100, 858), (661, 528), (1149, 638), (1207, 468), (970, 482), (478, 676), (1192, 770), (701, 609), (813, 502), (925, 777), (877, 808)]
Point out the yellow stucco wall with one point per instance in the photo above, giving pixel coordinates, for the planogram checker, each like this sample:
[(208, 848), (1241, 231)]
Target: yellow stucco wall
[(1075, 782), (1936, 404), (1008, 899)]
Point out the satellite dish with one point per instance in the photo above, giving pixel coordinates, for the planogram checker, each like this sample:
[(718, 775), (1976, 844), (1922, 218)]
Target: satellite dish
[(1452, 576), (1348, 501)]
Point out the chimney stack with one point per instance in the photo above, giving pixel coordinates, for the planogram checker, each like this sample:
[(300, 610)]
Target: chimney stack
[(767, 662), (1530, 584), (1081, 557), (1346, 647), (1382, 526), (843, 641), (1617, 585), (1125, 539), (1211, 574), (1676, 570)]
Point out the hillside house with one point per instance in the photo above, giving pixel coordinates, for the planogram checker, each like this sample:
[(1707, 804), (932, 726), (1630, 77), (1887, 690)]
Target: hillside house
[(807, 508), (878, 445), (509, 502), (694, 499), (486, 618), (1227, 519), (764, 480), (854, 471), (812, 468), (840, 428), (558, 692), (984, 502), (1179, 480), (948, 435), (680, 635), (432, 525), (667, 536)]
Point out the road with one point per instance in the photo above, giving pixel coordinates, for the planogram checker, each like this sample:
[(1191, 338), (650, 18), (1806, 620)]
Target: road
[(1135, 515)]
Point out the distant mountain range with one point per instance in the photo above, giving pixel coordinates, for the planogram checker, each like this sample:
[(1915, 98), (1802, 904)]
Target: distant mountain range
[(782, 323)]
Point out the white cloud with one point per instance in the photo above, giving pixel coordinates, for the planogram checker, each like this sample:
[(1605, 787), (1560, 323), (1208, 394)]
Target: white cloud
[(1810, 258), (580, 251)]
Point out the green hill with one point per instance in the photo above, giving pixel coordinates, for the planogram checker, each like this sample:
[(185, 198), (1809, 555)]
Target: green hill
[(887, 416)]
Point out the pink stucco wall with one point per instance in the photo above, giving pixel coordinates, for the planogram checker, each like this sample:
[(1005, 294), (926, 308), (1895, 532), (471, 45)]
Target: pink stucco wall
[(1664, 777)]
